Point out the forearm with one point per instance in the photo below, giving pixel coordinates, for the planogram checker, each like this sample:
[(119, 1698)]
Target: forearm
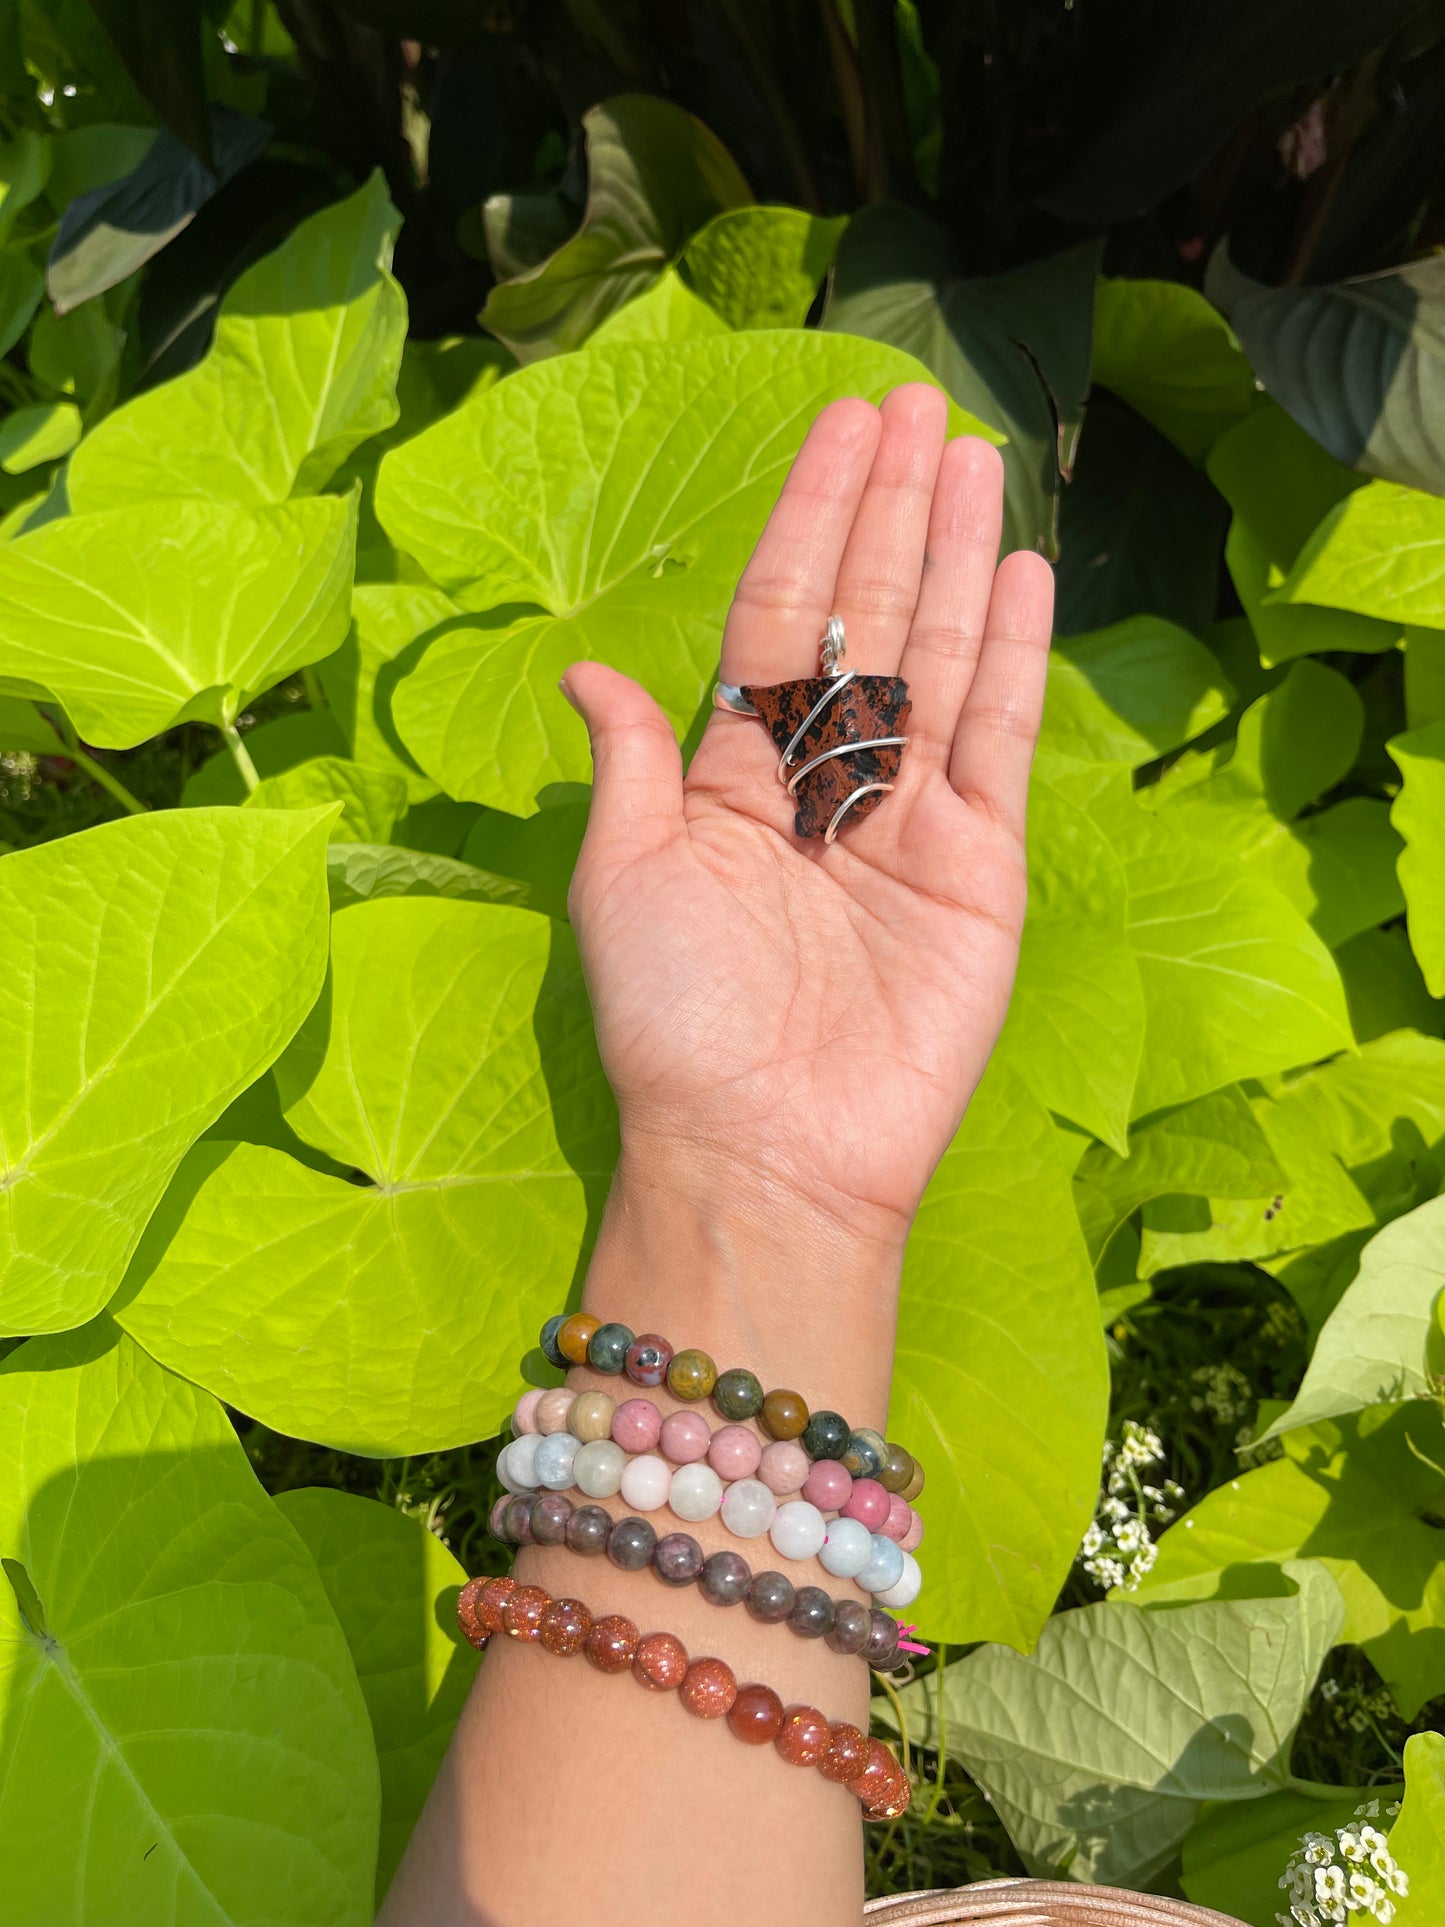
[(569, 1795)]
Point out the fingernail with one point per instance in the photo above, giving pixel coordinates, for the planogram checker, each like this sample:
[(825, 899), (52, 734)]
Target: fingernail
[(567, 694)]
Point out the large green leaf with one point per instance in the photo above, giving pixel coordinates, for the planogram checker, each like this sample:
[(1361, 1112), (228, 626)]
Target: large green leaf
[(1130, 693), (359, 872), (388, 622), (1099, 1751), (372, 801), (454, 1066), (1356, 1495), (1075, 1027), (760, 267), (159, 45), (1380, 553), (1372, 1350), (1236, 984), (1213, 1147), (999, 1337), (1418, 814), (184, 1738), (1162, 348), (540, 851), (654, 177), (43, 433), (302, 368), (1139, 529), (1356, 363), (1234, 1854), (1385, 988), (139, 618), (1013, 349), (1417, 1839), (153, 967), (669, 311), (393, 1585), (616, 494)]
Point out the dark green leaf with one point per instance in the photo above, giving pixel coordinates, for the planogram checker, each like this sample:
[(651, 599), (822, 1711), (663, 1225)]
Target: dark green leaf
[(1235, 1852), (159, 45)]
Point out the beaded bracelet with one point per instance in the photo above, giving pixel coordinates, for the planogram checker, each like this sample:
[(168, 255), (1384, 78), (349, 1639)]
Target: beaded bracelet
[(708, 1688), (649, 1360), (845, 1547), (733, 1452), (723, 1578)]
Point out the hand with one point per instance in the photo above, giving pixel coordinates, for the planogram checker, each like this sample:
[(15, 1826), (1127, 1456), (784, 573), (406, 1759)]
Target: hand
[(807, 1022)]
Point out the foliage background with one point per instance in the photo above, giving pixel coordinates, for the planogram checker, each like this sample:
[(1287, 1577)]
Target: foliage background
[(364, 361)]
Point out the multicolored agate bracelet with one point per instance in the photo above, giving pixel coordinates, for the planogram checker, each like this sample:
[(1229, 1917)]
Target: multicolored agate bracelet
[(649, 1360), (723, 1578), (708, 1688), (733, 1452), (600, 1469)]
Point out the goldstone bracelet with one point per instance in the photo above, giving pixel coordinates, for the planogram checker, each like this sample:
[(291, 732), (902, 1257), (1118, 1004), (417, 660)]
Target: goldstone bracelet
[(707, 1688)]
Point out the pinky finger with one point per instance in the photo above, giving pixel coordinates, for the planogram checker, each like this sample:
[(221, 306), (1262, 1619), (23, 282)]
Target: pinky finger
[(993, 746)]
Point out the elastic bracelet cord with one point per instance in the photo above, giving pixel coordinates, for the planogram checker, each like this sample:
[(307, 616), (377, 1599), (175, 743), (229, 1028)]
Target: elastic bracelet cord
[(723, 1578), (707, 1687)]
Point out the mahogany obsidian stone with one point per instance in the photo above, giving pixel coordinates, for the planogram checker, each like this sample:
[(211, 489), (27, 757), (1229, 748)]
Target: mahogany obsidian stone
[(867, 707)]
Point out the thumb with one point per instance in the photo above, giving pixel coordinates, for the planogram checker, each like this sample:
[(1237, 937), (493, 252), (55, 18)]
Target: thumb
[(637, 765)]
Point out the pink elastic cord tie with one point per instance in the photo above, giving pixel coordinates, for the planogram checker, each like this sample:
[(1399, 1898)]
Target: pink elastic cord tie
[(908, 1644)]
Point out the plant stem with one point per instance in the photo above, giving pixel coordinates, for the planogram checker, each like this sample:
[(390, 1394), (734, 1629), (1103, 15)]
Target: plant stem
[(241, 756), (936, 1797), (315, 694), (97, 771)]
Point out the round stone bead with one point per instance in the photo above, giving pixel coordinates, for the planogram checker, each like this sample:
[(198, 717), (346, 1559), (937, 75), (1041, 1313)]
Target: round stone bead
[(877, 1785), (551, 1350), (587, 1530), (748, 1508), (913, 1538), (914, 1485), (896, 1469), (608, 1347), (564, 1627), (660, 1662), (734, 1452), (725, 1578), (905, 1590), (828, 1486), (612, 1643), (865, 1454), (551, 1411), (492, 1600), (468, 1616), (798, 1530), (598, 1467), (771, 1597), (784, 1467), (647, 1359), (881, 1651), (637, 1425), (847, 1548), (756, 1715), (677, 1558), (575, 1335), (783, 1415), (803, 1736), (589, 1416), (708, 1689), (645, 1480), (900, 1517), (852, 1623), (738, 1395), (812, 1614), (524, 1412), (867, 1503), (691, 1375), (522, 1614), (521, 1461), (497, 1517), (517, 1520), (504, 1477), (630, 1543), (696, 1493), (684, 1437), (826, 1435), (557, 1460), (884, 1567), (549, 1516), (846, 1754), (892, 1802)]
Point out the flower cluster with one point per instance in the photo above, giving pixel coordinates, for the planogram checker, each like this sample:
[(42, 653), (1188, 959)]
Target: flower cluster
[(1354, 1708), (1348, 1875), (1117, 1549), (1224, 1392)]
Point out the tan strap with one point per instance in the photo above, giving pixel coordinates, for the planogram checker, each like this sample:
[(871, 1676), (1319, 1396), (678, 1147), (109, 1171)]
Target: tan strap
[(1040, 1903)]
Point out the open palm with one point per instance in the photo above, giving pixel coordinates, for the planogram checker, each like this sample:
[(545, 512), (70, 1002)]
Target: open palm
[(822, 1014)]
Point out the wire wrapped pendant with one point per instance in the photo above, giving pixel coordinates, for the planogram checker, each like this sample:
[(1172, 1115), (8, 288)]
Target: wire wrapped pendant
[(839, 736)]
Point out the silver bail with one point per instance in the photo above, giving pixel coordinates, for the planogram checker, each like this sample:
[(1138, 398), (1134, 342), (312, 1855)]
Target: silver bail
[(835, 647)]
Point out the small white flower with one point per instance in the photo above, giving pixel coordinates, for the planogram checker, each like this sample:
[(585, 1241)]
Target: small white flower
[(1372, 1839), (1093, 1539), (1363, 1892), (1318, 1849), (1329, 1885), (1351, 1845)]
